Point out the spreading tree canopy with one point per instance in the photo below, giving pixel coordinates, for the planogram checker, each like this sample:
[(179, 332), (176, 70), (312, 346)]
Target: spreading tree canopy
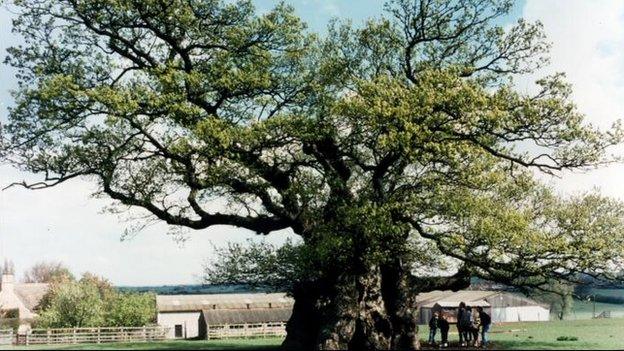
[(396, 150)]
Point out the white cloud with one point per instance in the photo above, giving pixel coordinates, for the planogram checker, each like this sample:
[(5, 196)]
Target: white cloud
[(588, 45)]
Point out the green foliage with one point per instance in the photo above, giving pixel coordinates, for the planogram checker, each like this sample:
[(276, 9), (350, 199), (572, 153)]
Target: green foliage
[(131, 310), (258, 265), (73, 304), (402, 141), (10, 323), (10, 313), (567, 338), (93, 302)]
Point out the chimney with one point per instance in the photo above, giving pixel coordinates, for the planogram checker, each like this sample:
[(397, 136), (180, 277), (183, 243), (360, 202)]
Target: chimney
[(8, 282), (8, 277)]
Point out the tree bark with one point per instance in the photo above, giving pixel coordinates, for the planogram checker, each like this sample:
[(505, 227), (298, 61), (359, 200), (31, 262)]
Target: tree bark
[(303, 326), (373, 310)]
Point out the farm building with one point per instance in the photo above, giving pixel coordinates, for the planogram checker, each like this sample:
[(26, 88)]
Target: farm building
[(22, 297), (220, 315), (503, 306)]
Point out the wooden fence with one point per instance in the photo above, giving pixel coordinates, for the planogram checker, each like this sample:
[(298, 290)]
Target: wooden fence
[(92, 335), (260, 330)]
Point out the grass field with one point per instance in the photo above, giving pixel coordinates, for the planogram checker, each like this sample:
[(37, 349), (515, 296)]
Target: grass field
[(592, 334), (233, 344), (597, 334)]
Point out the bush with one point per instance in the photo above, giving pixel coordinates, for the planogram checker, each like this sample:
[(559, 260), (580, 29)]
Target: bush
[(131, 310), (567, 338), (10, 313), (93, 302), (72, 304), (9, 323)]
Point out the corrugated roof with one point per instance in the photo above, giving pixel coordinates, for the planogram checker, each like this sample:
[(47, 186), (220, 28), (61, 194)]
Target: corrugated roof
[(244, 316), (181, 303)]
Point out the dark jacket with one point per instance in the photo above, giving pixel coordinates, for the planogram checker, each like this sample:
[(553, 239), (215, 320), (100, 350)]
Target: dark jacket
[(434, 322), (485, 318), (460, 313), (465, 319), (443, 324)]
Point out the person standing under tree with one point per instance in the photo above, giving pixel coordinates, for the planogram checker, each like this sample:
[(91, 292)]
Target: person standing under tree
[(465, 323), (486, 322), (443, 324), (474, 327), (460, 315), (433, 327)]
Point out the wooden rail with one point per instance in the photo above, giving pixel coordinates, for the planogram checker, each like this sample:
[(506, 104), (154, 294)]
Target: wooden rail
[(92, 335), (260, 330)]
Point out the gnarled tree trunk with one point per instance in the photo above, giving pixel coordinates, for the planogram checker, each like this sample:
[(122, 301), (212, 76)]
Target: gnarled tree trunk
[(375, 309)]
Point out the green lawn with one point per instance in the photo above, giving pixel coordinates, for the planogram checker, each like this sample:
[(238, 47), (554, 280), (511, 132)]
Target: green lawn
[(233, 344), (592, 334)]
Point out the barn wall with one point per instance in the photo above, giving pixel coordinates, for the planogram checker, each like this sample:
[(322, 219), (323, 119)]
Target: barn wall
[(424, 315), (188, 320), (505, 299), (520, 314)]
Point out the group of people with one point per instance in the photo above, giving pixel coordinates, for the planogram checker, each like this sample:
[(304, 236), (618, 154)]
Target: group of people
[(469, 326)]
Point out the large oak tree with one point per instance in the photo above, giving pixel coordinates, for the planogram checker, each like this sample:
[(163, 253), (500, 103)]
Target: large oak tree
[(397, 150)]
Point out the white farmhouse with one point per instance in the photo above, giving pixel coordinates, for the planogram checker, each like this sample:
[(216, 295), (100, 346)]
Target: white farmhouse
[(24, 297)]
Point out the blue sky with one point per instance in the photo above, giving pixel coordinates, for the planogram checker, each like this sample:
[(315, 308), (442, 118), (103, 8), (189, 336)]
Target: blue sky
[(66, 224)]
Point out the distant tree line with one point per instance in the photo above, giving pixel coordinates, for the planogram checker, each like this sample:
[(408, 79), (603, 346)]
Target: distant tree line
[(587, 292)]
